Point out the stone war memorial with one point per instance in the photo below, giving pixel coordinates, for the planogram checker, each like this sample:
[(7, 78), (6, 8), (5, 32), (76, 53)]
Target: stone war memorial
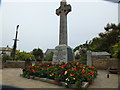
[(63, 52), (61, 67)]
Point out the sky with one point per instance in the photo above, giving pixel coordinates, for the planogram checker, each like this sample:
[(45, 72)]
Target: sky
[(39, 24)]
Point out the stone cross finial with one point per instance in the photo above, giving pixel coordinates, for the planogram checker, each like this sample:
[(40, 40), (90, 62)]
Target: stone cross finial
[(62, 11), (63, 8)]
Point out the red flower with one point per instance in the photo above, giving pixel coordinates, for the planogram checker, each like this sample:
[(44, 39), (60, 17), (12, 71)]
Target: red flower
[(83, 64), (29, 66), (89, 73), (88, 78), (63, 66), (56, 80), (32, 70), (58, 63), (75, 69), (47, 65), (92, 67), (83, 71), (50, 62), (68, 70), (70, 61)]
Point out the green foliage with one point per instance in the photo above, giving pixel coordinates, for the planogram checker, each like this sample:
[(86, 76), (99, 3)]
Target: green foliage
[(105, 41), (24, 56), (78, 84), (76, 48), (49, 57), (116, 49), (6, 57), (38, 53)]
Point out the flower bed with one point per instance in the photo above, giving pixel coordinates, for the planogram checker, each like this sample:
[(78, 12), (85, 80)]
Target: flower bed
[(72, 72)]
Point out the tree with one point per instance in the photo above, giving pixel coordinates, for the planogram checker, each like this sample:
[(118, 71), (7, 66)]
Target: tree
[(24, 56), (38, 53), (49, 57), (6, 57), (116, 49), (105, 41)]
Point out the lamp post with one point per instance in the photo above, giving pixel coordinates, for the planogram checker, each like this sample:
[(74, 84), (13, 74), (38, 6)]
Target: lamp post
[(15, 44)]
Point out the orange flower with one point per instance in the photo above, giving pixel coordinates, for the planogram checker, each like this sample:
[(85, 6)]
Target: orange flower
[(77, 63), (32, 70), (72, 75), (52, 74)]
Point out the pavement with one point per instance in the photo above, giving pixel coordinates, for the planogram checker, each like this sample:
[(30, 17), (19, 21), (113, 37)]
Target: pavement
[(11, 76), (103, 82)]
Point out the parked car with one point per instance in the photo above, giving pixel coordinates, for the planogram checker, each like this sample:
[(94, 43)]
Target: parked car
[(114, 70)]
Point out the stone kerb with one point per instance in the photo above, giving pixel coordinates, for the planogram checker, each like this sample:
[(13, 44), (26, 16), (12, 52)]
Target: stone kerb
[(84, 84)]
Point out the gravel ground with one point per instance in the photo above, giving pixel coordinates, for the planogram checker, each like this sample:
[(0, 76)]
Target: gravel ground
[(12, 77)]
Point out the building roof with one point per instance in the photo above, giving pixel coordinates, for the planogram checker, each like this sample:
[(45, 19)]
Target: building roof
[(100, 54), (49, 51), (5, 49)]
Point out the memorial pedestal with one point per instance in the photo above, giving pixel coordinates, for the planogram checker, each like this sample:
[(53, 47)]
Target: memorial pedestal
[(63, 53)]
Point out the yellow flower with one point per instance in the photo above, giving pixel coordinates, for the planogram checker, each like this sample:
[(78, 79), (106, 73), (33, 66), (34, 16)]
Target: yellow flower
[(51, 74), (73, 78), (65, 73), (77, 63)]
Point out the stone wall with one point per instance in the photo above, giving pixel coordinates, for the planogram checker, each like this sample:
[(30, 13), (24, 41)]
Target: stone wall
[(13, 64), (100, 63), (18, 64), (104, 62), (113, 62)]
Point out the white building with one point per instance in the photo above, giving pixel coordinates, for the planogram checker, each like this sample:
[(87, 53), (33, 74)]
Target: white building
[(5, 50)]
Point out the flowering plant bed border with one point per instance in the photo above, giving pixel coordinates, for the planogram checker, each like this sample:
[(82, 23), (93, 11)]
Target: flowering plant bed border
[(71, 73), (84, 84)]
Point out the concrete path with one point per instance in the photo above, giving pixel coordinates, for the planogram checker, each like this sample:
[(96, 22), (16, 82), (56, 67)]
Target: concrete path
[(103, 82), (12, 77)]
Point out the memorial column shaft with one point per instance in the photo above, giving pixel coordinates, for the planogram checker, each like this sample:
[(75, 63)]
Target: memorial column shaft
[(63, 29)]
